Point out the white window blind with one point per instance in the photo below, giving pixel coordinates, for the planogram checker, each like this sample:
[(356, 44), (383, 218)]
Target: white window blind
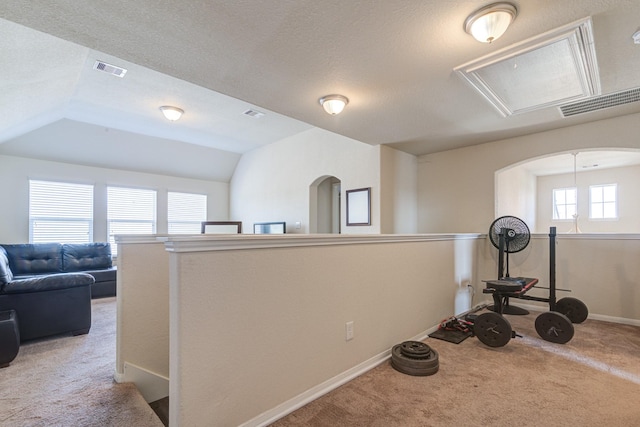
[(130, 211), (60, 212), (603, 201), (565, 203), (185, 212)]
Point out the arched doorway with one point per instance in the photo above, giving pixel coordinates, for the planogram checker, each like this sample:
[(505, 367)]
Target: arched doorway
[(527, 189), (324, 205)]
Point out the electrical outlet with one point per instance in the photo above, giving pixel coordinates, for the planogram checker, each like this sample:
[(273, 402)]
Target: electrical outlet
[(349, 331)]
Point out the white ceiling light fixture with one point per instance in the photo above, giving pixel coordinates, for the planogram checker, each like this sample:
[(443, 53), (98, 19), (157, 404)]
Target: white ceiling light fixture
[(490, 22), (171, 113), (333, 104)]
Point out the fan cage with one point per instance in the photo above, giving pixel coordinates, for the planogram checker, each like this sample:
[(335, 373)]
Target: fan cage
[(513, 243)]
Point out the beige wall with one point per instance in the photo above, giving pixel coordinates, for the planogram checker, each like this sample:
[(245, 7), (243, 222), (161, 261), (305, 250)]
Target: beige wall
[(143, 307), (15, 173), (254, 327), (272, 183), (399, 192), (516, 195), (456, 188)]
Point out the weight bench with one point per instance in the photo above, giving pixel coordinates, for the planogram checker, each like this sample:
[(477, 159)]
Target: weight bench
[(503, 289)]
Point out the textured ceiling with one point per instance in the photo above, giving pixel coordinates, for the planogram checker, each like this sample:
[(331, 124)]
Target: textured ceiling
[(392, 59)]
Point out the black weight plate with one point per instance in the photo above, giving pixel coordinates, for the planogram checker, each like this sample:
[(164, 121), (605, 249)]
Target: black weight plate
[(414, 371), (415, 349), (492, 329), (573, 308), (554, 327), (413, 363)]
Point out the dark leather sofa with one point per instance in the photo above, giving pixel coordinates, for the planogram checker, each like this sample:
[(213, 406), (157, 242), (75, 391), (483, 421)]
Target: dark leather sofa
[(30, 260), (50, 285)]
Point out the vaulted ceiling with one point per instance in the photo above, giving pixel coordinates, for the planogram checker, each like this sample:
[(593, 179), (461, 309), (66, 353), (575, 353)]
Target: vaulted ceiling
[(394, 60)]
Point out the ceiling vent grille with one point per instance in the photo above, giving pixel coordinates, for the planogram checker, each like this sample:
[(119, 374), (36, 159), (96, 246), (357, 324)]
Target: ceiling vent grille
[(108, 68), (601, 102), (253, 113)]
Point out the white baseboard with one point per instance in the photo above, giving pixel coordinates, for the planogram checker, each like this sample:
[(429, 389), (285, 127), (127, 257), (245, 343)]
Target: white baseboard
[(315, 392), (151, 385), (621, 320)]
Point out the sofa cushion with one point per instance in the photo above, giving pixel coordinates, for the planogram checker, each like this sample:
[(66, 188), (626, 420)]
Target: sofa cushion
[(6, 275), (48, 282), (40, 258), (86, 256)]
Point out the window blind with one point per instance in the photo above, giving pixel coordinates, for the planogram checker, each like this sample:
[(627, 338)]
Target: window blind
[(185, 212), (60, 212), (130, 211)]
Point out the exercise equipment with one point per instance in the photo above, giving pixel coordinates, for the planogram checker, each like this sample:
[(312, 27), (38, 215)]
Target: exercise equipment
[(510, 234), (414, 358)]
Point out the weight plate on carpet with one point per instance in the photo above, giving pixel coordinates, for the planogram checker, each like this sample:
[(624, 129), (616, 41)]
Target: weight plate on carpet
[(419, 372), (573, 308), (492, 329), (554, 327), (425, 363), (415, 349)]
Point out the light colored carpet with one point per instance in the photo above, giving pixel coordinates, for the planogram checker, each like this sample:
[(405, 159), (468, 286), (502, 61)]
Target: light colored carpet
[(594, 380), (68, 381)]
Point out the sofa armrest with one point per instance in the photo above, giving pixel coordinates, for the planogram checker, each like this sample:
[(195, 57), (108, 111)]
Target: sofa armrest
[(48, 282)]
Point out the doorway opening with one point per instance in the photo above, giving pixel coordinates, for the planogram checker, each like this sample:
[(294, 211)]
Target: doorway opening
[(325, 205)]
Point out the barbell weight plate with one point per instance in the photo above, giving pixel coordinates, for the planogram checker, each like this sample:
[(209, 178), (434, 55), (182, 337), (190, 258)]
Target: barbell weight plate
[(554, 327), (414, 371), (573, 308), (415, 349), (492, 329), (410, 362)]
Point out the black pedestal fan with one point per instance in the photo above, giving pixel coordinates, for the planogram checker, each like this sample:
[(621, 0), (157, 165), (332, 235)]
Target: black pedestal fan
[(509, 234)]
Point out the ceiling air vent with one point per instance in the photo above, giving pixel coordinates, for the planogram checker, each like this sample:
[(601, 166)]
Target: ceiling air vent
[(601, 102), (108, 68), (253, 113)]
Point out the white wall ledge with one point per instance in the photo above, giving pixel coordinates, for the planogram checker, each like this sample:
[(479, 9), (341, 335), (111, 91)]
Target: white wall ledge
[(262, 241), (590, 236), (219, 242)]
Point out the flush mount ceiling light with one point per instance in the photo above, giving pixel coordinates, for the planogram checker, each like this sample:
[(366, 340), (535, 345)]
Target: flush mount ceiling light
[(551, 69), (490, 22), (333, 104), (171, 113)]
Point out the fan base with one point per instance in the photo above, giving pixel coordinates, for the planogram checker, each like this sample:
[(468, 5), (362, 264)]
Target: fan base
[(511, 309)]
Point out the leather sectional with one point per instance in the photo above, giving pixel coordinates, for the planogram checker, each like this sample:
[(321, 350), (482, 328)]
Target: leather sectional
[(50, 285)]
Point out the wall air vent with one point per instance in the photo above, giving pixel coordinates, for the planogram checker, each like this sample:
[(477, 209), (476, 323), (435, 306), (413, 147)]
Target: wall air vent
[(253, 113), (601, 102), (108, 68)]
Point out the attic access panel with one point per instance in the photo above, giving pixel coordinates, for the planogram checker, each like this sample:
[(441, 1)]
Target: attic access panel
[(551, 69)]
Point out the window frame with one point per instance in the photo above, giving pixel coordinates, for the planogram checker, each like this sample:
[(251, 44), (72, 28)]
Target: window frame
[(603, 202), (554, 205)]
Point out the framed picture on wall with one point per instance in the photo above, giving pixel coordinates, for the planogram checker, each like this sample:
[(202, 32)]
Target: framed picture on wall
[(359, 206)]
